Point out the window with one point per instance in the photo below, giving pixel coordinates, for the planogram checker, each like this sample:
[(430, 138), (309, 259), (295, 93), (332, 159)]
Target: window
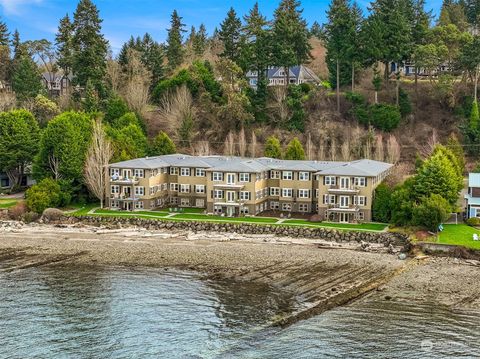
[(218, 194), (115, 172), (244, 177), (217, 209), (185, 202), (114, 204), (303, 207), (199, 188), (174, 187), (287, 175), (274, 174), (244, 196), (274, 191), (360, 181), (304, 176), (185, 172), (174, 170), (286, 207), (329, 199), (139, 173), (330, 181), (115, 189), (332, 199), (360, 200), (199, 202), (140, 191), (139, 205), (287, 192), (325, 199), (174, 200), (274, 205), (200, 172), (303, 193), (361, 216), (153, 190), (185, 188), (244, 210), (217, 176)]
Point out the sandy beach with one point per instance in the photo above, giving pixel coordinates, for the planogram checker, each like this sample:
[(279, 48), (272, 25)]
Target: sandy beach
[(320, 274)]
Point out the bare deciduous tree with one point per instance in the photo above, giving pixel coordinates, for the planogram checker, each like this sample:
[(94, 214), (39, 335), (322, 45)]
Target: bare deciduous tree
[(8, 101), (279, 105), (96, 165), (427, 149), (201, 148), (242, 143), (321, 151), (379, 151), (346, 151), (253, 145), (54, 164), (113, 74), (393, 150), (136, 82), (333, 149), (310, 150), (229, 149)]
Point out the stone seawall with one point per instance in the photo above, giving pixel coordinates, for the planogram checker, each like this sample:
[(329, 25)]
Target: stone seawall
[(386, 238)]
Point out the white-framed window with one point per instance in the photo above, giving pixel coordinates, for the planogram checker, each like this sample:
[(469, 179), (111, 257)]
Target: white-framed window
[(139, 191), (303, 193), (244, 177), (185, 202), (274, 205), (199, 188), (330, 181), (286, 206), (114, 204), (217, 176), (200, 172), (115, 189), (217, 209), (244, 210), (329, 199), (274, 174), (325, 199), (174, 200), (139, 173), (174, 170), (360, 181), (184, 172), (303, 176), (360, 200), (332, 199), (287, 175), (153, 190), (244, 196), (174, 187), (115, 172), (303, 207), (200, 202), (218, 194), (139, 205), (274, 191), (287, 192), (184, 188), (165, 186), (361, 216)]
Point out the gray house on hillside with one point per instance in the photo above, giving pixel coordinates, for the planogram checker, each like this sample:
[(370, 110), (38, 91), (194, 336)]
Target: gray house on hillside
[(276, 76)]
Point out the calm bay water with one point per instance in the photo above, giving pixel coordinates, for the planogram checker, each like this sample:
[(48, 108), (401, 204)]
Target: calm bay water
[(97, 312)]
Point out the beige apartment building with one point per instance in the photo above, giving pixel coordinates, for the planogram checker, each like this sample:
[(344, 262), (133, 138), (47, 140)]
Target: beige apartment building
[(234, 186)]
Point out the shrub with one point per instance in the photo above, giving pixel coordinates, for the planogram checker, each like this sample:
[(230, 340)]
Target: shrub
[(162, 145), (127, 119), (404, 103), (385, 117), (52, 214), (45, 194), (294, 150), (30, 217), (16, 212), (115, 108), (431, 212), (382, 204), (273, 148), (473, 222)]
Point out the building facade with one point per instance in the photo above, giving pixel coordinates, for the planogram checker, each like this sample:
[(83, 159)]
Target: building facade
[(276, 76), (472, 197), (233, 186)]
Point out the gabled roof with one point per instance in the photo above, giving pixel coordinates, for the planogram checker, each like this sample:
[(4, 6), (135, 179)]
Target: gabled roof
[(368, 168), (297, 72), (474, 179)]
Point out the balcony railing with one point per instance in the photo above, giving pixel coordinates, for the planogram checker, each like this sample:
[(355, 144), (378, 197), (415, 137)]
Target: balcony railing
[(338, 207), (345, 189), (125, 180)]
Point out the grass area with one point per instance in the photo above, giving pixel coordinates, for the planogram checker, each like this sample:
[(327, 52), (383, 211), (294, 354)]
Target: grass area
[(7, 203), (82, 210), (148, 214), (459, 234), (362, 226), (204, 217)]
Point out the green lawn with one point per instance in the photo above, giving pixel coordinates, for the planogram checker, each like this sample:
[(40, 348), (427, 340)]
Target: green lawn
[(459, 234), (362, 226), (204, 217), (82, 210), (7, 203), (131, 214)]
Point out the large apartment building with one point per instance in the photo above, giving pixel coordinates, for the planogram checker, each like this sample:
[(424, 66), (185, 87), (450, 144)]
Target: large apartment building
[(233, 186)]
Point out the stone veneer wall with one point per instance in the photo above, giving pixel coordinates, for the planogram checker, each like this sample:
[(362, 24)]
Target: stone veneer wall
[(387, 238)]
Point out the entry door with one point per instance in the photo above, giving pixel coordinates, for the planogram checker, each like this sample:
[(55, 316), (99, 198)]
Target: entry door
[(344, 182), (127, 192), (230, 196), (230, 211), (344, 201), (230, 178), (127, 174), (344, 217)]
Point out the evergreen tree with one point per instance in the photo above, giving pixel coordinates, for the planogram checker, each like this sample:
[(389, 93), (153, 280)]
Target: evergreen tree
[(317, 30), (474, 117), (453, 13), (162, 145), (4, 51), (290, 40), (294, 150), (90, 103), (26, 80), (63, 41), (472, 12), (453, 144), (230, 36), (273, 148), (192, 36), (152, 58), (175, 50), (4, 34), (89, 45), (200, 41)]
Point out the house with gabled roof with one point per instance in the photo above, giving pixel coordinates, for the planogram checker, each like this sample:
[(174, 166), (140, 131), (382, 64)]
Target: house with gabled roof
[(276, 76)]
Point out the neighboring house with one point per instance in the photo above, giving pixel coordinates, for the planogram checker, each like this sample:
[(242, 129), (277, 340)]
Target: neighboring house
[(27, 180), (408, 69), (56, 83), (276, 76), (232, 186), (5, 86), (472, 198)]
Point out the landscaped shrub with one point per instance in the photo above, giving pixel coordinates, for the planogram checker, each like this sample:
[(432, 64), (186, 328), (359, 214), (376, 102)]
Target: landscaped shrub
[(404, 103), (16, 212), (432, 212), (473, 222), (384, 117), (45, 194), (382, 204)]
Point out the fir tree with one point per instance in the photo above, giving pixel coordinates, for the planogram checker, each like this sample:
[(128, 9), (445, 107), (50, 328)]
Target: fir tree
[(175, 50), (200, 41), (90, 46), (26, 80), (290, 37), (230, 36), (273, 148), (4, 51), (317, 30), (152, 58), (294, 150), (63, 41)]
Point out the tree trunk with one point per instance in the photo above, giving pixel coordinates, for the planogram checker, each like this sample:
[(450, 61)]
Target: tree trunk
[(398, 89), (416, 81), (387, 71), (475, 86), (376, 97), (353, 77), (15, 177), (338, 86), (287, 76)]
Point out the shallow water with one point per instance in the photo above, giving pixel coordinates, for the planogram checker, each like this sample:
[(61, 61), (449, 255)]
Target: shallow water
[(98, 312)]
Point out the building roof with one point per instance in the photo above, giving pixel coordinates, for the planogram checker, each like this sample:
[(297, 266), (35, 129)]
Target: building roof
[(368, 168), (474, 179), (298, 72)]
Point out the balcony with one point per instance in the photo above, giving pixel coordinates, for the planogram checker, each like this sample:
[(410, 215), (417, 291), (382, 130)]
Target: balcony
[(123, 197), (229, 186), (338, 208), (342, 189), (124, 180)]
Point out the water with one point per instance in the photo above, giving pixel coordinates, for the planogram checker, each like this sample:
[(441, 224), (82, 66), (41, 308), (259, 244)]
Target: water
[(98, 312)]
